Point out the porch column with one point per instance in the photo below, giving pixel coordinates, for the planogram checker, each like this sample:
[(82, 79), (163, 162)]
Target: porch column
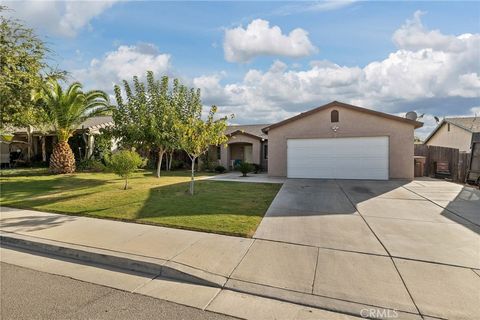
[(90, 145), (256, 154), (224, 158)]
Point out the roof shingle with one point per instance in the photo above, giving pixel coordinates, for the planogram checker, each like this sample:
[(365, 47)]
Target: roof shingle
[(471, 124), (253, 129)]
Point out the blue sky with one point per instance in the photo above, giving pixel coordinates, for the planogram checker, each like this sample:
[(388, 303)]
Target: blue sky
[(389, 56)]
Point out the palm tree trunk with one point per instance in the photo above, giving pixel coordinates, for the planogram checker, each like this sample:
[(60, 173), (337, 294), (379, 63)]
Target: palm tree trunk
[(62, 159)]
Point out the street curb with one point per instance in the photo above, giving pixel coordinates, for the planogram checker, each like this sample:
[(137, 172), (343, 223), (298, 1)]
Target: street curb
[(314, 301), (119, 260)]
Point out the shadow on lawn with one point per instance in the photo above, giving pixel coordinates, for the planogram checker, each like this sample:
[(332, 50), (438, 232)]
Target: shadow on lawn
[(217, 206), (34, 193), (24, 172)]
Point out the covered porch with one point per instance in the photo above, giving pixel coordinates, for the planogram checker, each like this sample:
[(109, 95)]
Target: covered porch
[(239, 152)]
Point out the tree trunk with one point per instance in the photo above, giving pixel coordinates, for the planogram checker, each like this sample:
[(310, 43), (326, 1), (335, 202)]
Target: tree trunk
[(126, 184), (44, 148), (170, 162), (62, 159), (159, 162), (192, 180), (166, 161), (29, 143)]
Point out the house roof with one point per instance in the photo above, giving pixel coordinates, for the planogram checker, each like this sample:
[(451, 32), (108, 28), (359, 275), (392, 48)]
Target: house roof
[(470, 124), (416, 124), (97, 123), (92, 124), (249, 129)]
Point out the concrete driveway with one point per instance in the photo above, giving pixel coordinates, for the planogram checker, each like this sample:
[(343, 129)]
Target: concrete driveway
[(410, 246)]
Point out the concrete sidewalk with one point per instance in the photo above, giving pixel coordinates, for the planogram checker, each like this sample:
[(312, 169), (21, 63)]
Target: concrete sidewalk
[(191, 258), (205, 255), (342, 281), (277, 270)]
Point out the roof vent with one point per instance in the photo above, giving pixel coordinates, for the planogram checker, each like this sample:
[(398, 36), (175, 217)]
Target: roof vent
[(411, 115)]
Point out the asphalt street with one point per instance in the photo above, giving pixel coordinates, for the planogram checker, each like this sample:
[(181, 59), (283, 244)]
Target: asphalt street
[(29, 294)]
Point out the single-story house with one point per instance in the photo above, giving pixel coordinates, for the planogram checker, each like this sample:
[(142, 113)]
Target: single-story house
[(82, 142), (342, 141), (246, 143), (454, 133)]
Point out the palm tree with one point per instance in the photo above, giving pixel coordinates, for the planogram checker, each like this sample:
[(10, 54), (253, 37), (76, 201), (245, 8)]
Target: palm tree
[(65, 111)]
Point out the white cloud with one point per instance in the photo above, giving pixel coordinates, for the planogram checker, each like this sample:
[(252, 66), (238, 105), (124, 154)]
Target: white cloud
[(64, 18), (258, 38), (435, 80), (475, 111), (414, 36), (123, 64), (427, 66)]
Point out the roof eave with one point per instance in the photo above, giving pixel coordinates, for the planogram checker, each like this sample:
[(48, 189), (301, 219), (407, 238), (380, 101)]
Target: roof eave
[(244, 133), (416, 124), (441, 124)]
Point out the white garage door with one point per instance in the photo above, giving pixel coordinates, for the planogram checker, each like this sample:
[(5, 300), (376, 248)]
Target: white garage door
[(338, 158)]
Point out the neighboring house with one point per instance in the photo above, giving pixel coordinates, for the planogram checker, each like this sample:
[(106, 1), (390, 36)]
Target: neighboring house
[(82, 142), (246, 143), (454, 133), (342, 141)]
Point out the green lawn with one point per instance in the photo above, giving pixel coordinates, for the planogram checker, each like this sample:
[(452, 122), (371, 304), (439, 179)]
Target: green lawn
[(232, 208)]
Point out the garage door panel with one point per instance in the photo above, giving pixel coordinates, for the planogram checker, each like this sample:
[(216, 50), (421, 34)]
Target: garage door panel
[(338, 158)]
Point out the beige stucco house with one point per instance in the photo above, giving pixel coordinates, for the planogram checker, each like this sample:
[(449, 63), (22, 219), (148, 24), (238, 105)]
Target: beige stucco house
[(342, 141), (247, 143), (454, 133)]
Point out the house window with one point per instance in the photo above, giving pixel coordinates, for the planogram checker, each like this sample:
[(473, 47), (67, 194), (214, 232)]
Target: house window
[(334, 116), (219, 153), (265, 151), (448, 127)]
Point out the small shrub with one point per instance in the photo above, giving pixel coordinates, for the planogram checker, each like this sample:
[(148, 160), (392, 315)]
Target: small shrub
[(207, 163), (220, 169), (206, 167), (91, 165), (124, 163), (103, 144), (256, 168), (244, 168), (177, 164)]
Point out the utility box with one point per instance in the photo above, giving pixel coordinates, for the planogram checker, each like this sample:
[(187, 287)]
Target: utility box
[(419, 165)]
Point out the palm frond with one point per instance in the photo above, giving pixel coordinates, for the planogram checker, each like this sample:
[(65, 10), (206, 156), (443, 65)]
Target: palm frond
[(66, 110)]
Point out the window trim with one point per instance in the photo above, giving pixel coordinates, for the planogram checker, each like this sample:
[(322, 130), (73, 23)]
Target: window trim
[(265, 151)]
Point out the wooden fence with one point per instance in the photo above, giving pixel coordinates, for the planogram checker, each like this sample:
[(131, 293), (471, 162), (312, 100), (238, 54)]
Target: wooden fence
[(458, 162)]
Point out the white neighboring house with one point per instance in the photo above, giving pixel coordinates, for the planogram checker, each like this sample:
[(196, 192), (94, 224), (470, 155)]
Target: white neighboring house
[(454, 133)]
